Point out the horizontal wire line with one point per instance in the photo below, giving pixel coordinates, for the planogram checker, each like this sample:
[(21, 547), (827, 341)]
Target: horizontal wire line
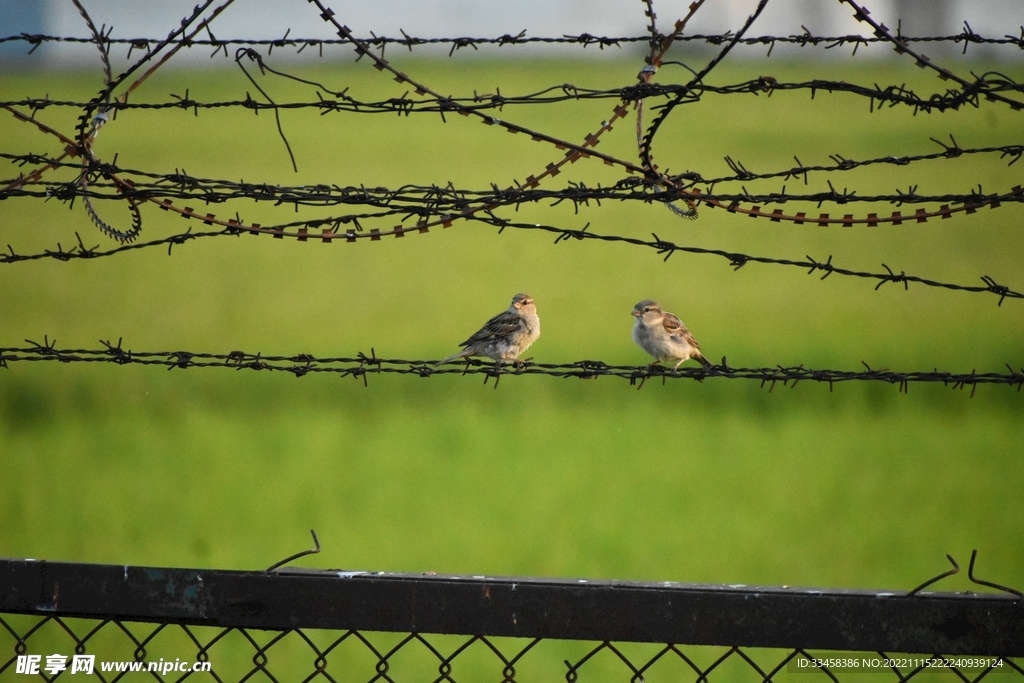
[(804, 39), (361, 365)]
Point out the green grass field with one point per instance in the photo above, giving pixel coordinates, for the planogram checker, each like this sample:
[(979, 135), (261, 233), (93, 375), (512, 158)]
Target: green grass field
[(720, 482)]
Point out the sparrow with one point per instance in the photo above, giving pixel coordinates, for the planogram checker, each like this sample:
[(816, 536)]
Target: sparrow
[(664, 336), (506, 335)]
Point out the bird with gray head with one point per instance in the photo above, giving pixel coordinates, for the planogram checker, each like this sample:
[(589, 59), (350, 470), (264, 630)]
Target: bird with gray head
[(506, 335), (664, 336)]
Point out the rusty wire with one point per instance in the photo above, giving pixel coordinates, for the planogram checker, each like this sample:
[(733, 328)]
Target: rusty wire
[(362, 365)]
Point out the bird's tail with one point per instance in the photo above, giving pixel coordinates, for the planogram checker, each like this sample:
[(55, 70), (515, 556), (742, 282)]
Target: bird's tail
[(461, 354), (703, 361)]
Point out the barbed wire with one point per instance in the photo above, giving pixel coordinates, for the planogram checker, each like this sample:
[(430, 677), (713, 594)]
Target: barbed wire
[(736, 259), (423, 202), (431, 206), (988, 82), (806, 39), (361, 365), (213, 190), (427, 200), (893, 94)]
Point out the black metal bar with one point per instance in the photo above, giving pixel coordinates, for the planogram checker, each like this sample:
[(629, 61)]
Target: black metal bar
[(949, 623)]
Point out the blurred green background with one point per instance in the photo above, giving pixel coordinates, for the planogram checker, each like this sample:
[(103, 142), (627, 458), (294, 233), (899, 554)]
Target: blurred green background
[(720, 482)]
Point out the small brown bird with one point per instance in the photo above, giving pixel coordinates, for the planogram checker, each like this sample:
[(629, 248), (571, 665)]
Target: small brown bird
[(506, 335), (664, 336)]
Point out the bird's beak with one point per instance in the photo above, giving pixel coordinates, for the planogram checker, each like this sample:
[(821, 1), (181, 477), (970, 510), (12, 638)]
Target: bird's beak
[(635, 313)]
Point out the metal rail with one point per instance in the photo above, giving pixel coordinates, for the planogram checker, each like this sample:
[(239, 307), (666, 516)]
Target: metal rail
[(697, 614)]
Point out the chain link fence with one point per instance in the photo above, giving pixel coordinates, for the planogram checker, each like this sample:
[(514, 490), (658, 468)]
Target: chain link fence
[(114, 649)]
